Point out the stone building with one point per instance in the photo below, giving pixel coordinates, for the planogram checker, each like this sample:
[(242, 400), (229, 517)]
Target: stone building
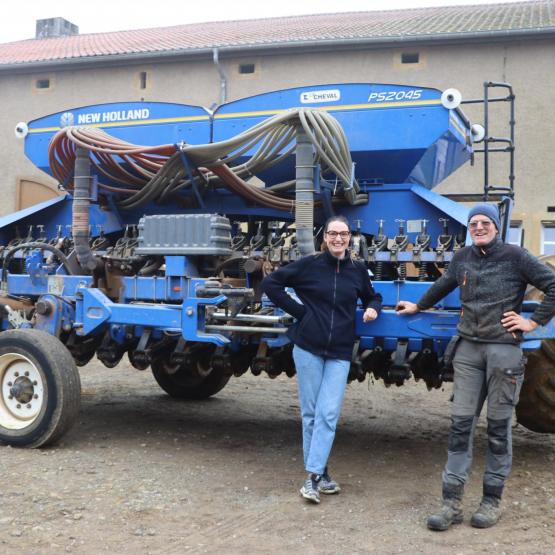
[(210, 63)]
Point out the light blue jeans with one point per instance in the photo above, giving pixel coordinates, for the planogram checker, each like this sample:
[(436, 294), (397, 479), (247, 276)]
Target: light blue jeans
[(322, 383)]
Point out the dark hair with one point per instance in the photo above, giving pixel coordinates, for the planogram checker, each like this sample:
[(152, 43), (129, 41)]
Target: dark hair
[(341, 219)]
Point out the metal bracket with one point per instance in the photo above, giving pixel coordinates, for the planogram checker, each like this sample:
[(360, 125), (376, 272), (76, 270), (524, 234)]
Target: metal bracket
[(194, 187), (400, 356), (193, 319)]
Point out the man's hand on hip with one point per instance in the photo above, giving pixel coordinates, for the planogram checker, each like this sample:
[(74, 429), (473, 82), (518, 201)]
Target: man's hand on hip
[(515, 322)]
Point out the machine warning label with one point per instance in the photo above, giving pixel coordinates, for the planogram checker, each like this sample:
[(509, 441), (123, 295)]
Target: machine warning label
[(311, 97), (55, 285)]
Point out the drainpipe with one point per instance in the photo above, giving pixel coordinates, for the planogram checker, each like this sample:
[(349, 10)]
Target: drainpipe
[(80, 210), (223, 77), (304, 193)]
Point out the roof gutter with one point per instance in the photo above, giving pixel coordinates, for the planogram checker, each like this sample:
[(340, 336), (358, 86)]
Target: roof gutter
[(359, 43)]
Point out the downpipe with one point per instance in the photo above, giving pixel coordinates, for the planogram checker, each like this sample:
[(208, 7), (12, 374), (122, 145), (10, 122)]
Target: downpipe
[(304, 193), (80, 211), (221, 73)]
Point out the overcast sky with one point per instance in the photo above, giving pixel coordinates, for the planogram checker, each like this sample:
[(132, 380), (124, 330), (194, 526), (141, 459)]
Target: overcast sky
[(18, 17)]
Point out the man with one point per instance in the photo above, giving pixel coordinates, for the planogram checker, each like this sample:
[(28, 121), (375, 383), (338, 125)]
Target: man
[(488, 362)]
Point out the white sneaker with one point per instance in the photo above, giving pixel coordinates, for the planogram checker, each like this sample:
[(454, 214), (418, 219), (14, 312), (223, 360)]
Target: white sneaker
[(327, 484), (310, 488)]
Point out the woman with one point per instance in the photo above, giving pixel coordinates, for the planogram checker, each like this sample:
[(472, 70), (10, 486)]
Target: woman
[(328, 284)]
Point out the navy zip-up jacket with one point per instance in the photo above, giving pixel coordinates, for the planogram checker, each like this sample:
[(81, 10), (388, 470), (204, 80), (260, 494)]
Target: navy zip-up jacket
[(328, 288)]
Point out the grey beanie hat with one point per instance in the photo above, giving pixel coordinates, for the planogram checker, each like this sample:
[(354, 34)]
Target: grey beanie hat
[(489, 210)]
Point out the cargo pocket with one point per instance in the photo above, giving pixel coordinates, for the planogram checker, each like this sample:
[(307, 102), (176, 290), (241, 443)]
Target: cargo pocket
[(511, 384), (450, 350)]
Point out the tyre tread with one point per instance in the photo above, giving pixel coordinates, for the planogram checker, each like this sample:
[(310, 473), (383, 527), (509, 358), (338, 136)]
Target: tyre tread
[(65, 375), (214, 383), (536, 407)]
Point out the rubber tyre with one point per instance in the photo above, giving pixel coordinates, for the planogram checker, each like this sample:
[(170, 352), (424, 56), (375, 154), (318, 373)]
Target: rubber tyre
[(57, 403), (185, 384), (536, 406)]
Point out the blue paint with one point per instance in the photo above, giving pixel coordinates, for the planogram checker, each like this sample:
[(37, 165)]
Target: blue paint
[(150, 123), (403, 143)]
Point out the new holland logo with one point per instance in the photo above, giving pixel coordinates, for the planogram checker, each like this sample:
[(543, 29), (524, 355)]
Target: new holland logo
[(90, 118), (311, 97), (67, 119)]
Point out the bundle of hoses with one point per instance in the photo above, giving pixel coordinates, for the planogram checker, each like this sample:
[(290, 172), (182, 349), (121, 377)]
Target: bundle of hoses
[(142, 174)]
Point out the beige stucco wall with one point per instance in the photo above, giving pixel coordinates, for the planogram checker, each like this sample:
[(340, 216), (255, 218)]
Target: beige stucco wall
[(527, 65)]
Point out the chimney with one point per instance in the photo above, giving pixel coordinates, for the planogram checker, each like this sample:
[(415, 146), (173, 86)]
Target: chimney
[(55, 27)]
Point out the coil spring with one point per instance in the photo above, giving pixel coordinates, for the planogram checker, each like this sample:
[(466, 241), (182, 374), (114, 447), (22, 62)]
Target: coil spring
[(423, 271)]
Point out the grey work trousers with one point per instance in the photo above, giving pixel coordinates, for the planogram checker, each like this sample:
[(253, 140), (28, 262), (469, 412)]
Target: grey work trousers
[(492, 371)]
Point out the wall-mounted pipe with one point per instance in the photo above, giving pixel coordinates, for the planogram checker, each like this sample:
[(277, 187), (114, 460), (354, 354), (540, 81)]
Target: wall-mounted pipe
[(223, 76)]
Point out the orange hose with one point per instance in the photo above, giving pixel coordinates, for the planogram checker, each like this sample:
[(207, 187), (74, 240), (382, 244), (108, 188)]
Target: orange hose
[(142, 164)]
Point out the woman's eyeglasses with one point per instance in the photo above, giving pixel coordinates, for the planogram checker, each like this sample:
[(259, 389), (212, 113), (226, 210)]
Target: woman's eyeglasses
[(342, 234)]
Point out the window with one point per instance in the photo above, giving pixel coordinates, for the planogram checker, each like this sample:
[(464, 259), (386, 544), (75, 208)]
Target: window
[(410, 57), (516, 234), (410, 60), (548, 238), (142, 80), (245, 69), (42, 83)]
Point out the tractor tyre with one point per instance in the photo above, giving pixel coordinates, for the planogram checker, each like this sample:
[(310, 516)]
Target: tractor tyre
[(536, 407), (40, 391), (195, 381)]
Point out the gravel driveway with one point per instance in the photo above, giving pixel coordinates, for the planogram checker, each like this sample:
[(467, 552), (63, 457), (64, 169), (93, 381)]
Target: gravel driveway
[(143, 473)]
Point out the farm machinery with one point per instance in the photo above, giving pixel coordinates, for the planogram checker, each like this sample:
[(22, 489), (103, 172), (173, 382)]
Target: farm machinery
[(171, 215)]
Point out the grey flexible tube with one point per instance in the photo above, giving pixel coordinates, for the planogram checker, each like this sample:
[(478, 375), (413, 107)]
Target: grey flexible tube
[(304, 193), (80, 210)]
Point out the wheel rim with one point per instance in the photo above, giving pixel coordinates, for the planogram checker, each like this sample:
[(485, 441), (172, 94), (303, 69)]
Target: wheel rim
[(203, 368), (22, 391)]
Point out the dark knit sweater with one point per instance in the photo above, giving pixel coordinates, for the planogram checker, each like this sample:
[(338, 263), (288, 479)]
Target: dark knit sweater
[(493, 280), (328, 288)]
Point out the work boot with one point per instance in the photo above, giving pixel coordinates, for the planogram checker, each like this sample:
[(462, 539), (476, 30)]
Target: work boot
[(450, 511), (489, 511), (327, 484), (310, 488)]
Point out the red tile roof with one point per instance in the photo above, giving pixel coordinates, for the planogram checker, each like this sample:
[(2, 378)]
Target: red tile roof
[(442, 22)]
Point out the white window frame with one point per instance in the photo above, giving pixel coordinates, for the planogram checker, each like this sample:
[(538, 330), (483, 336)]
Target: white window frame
[(516, 225), (545, 242)]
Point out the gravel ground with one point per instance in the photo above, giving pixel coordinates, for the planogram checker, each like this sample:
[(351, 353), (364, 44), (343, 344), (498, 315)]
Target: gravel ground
[(143, 473)]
